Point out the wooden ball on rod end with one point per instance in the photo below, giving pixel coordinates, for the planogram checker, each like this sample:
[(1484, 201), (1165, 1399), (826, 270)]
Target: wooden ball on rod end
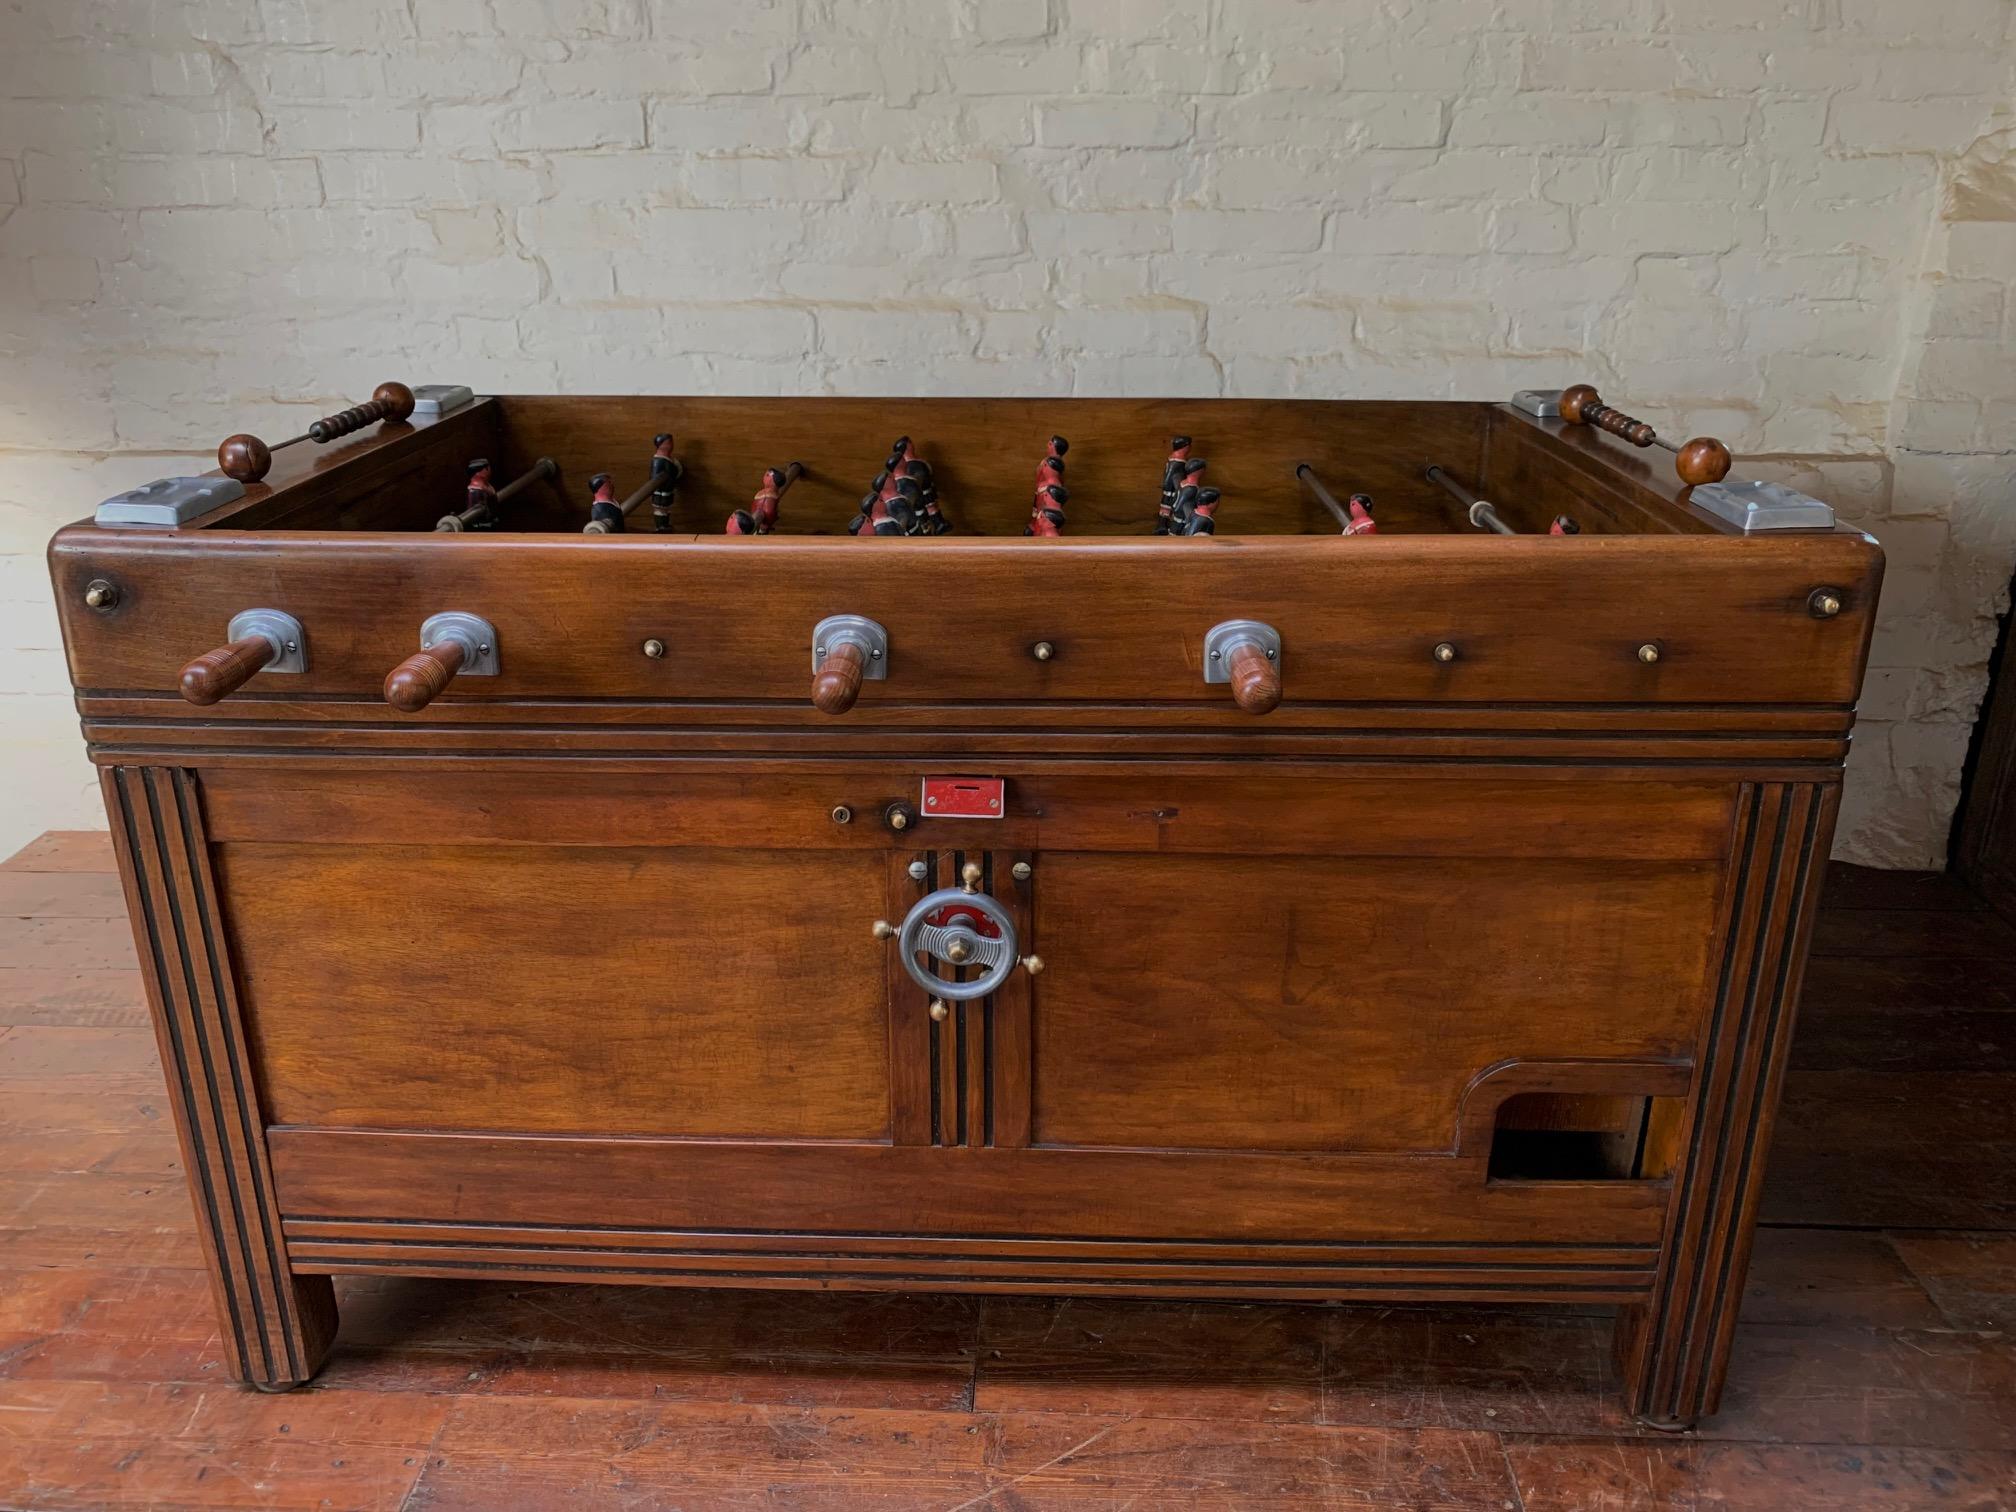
[(1576, 401), (1702, 460), (246, 458), (397, 399)]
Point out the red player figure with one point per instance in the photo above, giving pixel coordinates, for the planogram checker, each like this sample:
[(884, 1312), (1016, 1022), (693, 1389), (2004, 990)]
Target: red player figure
[(1564, 526), (760, 518), (1046, 514), (605, 508), (1046, 517), (1362, 522), (481, 510)]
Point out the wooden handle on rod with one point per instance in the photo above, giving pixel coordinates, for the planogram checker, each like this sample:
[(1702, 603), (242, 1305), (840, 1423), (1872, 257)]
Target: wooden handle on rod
[(1256, 681), (424, 676), (220, 673), (837, 683)]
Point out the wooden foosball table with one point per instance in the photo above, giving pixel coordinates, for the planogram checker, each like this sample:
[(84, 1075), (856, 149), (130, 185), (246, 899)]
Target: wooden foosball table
[(1349, 851)]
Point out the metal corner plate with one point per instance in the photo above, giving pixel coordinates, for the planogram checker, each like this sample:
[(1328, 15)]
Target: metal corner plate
[(437, 399), (1755, 507), (169, 501), (1541, 404)]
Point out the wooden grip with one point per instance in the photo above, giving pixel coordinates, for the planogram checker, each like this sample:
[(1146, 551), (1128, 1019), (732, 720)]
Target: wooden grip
[(837, 683), (422, 677), (389, 401), (1256, 681), (1582, 405), (220, 673)]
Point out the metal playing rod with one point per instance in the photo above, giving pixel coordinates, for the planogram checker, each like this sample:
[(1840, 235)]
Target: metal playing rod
[(1323, 495), (462, 519), (1483, 513), (642, 492)]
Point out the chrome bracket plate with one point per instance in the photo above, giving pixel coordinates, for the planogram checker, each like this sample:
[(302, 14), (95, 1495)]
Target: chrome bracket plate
[(1753, 507), (478, 637), (169, 501), (281, 630), (433, 399), (1222, 637), (840, 629), (1541, 404)]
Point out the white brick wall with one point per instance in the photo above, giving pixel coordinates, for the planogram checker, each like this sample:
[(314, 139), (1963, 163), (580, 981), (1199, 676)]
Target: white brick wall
[(1791, 223)]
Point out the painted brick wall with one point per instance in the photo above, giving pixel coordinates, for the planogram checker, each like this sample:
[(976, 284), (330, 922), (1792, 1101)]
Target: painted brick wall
[(1791, 223)]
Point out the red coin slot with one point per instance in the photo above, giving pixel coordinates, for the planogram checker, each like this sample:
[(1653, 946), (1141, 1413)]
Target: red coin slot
[(963, 798)]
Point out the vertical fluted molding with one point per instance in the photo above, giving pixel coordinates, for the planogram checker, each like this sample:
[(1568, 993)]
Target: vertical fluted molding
[(277, 1326), (1675, 1348)]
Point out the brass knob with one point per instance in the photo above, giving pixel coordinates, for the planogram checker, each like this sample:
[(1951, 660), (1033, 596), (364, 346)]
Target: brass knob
[(1032, 964), (1822, 603), (99, 594), (1445, 651), (1042, 650), (1649, 652), (884, 930), (958, 952), (970, 875), (939, 1010)]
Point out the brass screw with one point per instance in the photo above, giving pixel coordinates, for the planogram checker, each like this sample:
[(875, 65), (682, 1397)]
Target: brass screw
[(842, 814), (654, 648), (939, 1010), (1445, 651), (899, 817), (1032, 964), (1824, 603), (1042, 650), (1020, 871), (99, 594), (919, 871), (1649, 652), (884, 930)]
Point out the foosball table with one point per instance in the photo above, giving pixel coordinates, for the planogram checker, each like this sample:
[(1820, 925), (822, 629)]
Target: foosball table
[(1200, 849)]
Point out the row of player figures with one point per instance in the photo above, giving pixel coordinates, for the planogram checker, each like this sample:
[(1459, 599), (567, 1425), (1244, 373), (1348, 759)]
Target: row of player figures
[(903, 498)]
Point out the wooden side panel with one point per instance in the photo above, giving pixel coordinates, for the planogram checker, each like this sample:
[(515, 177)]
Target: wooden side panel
[(1534, 619), (681, 992), (701, 1188), (277, 1326), (1308, 1003), (1676, 1347)]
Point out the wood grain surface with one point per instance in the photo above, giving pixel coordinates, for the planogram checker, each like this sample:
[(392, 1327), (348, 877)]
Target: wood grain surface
[(1873, 1369)]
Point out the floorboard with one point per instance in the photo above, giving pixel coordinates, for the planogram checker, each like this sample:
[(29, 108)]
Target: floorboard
[(1875, 1367)]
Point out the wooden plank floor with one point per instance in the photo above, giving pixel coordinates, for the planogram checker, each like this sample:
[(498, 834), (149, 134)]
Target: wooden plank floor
[(1875, 1364)]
